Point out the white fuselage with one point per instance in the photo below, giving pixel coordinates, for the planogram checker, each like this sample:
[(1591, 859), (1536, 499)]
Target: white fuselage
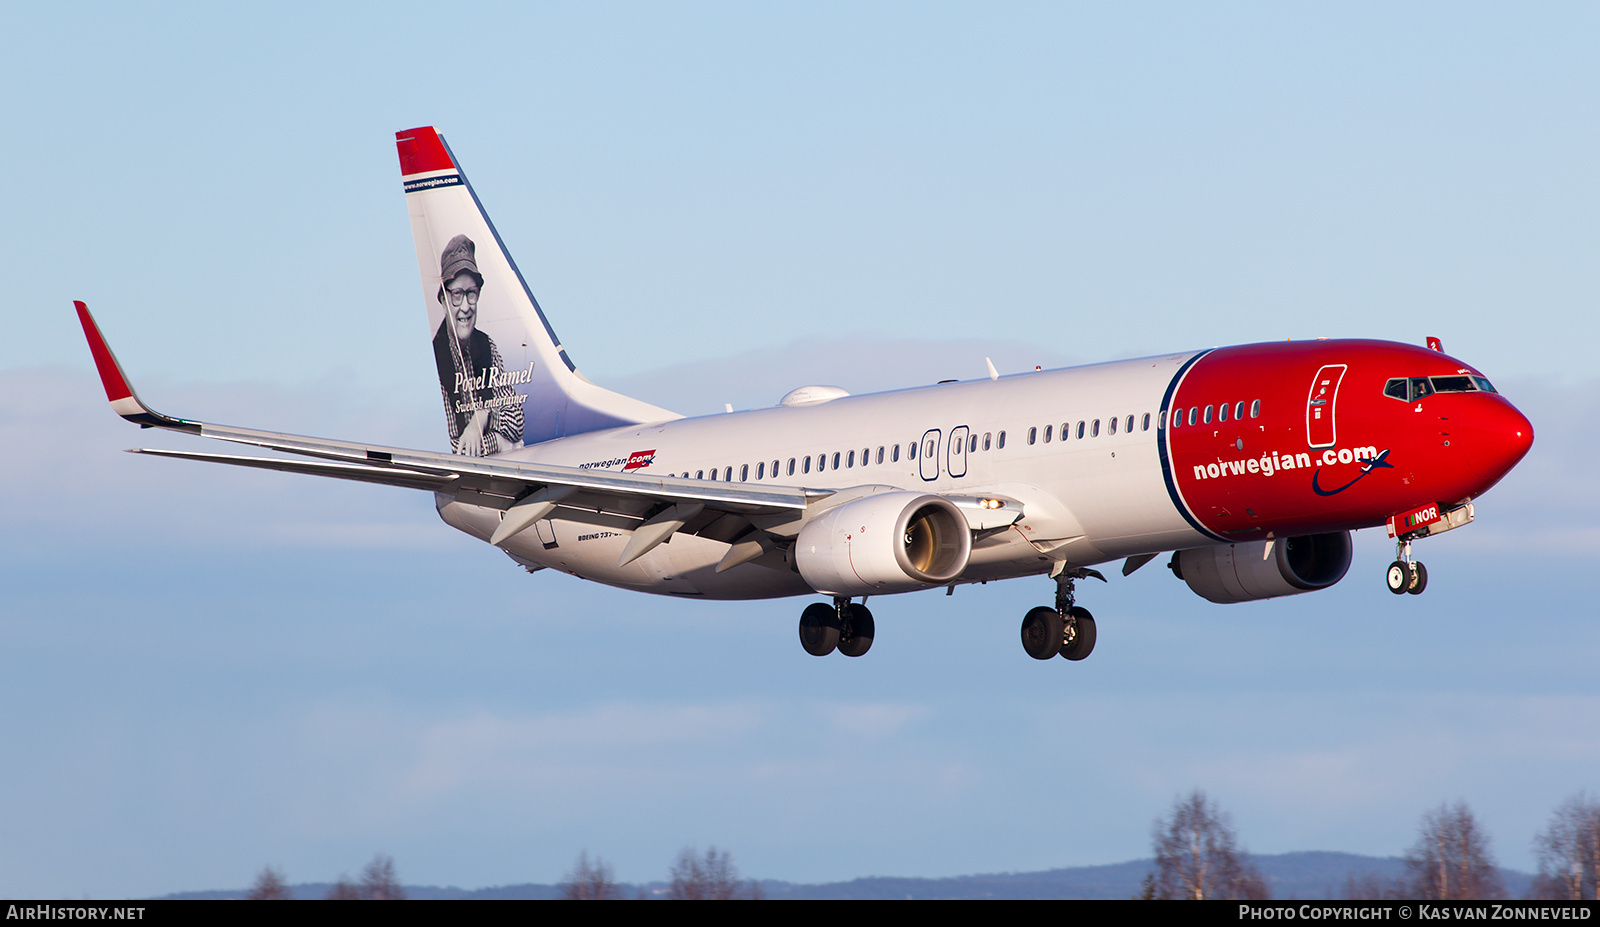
[(1085, 499)]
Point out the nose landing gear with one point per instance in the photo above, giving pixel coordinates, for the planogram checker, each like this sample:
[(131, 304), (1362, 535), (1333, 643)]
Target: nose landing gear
[(1066, 630), (842, 626), (1406, 575)]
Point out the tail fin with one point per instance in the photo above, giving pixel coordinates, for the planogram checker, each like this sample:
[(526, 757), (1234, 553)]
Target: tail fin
[(504, 376)]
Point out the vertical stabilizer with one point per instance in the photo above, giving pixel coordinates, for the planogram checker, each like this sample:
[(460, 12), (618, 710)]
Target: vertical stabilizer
[(504, 377)]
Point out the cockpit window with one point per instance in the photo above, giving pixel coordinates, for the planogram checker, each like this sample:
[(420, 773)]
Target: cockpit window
[(1410, 389), (1484, 385), (1454, 385)]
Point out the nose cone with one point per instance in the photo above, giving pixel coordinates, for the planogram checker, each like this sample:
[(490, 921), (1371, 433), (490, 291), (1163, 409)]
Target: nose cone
[(1498, 437)]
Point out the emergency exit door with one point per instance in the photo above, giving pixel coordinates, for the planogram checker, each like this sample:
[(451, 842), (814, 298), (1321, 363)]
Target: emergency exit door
[(928, 455), (956, 457)]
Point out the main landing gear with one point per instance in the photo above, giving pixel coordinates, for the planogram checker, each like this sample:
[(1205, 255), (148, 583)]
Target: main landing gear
[(1066, 630), (1405, 574), (842, 626)]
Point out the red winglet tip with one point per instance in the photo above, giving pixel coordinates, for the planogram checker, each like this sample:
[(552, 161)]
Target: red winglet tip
[(421, 149), (116, 385)]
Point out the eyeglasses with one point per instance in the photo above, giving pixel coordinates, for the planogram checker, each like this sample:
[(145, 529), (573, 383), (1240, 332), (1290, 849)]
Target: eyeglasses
[(470, 294)]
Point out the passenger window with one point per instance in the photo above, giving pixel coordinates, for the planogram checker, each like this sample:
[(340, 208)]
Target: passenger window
[(1255, 409), (1144, 424), (836, 460), (864, 453), (1128, 425), (1048, 429), (911, 451), (774, 469), (1194, 414), (1066, 430), (744, 473), (1111, 428), (1238, 410), (894, 455), (986, 440), (727, 475), (1033, 434), (1080, 429), (761, 471), (806, 467), (1207, 418), (791, 466), (1000, 441), (1094, 430), (972, 444), (1222, 413), (1177, 417), (713, 473), (699, 474), (880, 454), (849, 461)]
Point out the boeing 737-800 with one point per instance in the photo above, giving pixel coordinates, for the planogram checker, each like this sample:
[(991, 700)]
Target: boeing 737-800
[(1251, 464)]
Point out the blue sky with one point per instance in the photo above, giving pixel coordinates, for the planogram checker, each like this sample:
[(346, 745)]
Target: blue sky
[(202, 672)]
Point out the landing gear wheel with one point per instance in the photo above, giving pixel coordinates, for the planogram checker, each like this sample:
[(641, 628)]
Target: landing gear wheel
[(1399, 577), (1082, 626), (819, 629), (856, 637), (1042, 630), (1419, 579)]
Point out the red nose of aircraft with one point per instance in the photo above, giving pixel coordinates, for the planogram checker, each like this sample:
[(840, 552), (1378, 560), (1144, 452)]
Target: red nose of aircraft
[(1496, 436)]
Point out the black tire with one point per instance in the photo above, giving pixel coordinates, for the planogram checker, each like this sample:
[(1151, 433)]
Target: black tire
[(859, 640), (1083, 642), (1042, 629), (1419, 579), (819, 629), (1399, 577)]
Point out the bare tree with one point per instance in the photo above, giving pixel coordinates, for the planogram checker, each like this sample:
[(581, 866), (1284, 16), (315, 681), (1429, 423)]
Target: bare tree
[(1198, 856), (1451, 860), (590, 881), (712, 877), (1569, 852), (1369, 887), (270, 886), (378, 881)]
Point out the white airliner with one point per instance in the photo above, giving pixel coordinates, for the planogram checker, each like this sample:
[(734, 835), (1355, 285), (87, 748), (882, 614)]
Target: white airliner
[(1252, 464)]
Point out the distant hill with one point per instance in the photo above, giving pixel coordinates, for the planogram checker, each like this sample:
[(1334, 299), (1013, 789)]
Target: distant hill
[(1311, 875)]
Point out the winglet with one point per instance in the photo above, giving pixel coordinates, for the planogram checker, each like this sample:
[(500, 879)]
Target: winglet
[(120, 393)]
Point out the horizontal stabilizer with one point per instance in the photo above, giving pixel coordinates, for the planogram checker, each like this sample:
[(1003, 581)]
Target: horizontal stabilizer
[(388, 476)]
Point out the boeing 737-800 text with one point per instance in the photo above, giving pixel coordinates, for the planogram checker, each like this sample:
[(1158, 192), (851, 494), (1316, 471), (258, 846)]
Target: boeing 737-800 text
[(1252, 464)]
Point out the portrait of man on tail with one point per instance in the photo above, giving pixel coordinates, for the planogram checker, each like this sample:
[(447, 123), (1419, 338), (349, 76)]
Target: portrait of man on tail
[(484, 414)]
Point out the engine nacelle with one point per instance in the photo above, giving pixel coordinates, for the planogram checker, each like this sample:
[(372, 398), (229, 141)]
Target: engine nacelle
[(1245, 572), (889, 542)]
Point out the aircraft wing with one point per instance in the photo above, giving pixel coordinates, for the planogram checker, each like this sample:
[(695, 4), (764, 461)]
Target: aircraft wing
[(491, 481)]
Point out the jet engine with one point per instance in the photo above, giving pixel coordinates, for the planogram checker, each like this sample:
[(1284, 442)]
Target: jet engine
[(889, 542), (1264, 569)]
